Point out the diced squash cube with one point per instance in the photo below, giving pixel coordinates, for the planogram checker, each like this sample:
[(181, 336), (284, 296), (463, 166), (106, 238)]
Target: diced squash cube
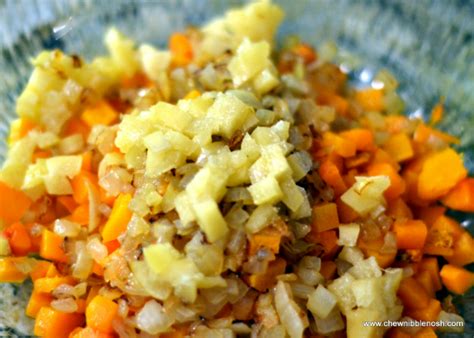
[(266, 191), (210, 219), (228, 114), (209, 182), (170, 116), (251, 59), (355, 323)]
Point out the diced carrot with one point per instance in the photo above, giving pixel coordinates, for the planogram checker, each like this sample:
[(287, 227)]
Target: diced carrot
[(328, 241), (399, 147), (411, 234), (370, 99), (36, 302), (35, 237), (40, 269), (67, 202), (349, 178), (77, 126), (339, 145), (363, 139), (330, 174), (430, 214), (14, 204), (423, 133), (426, 332), (412, 294), (461, 197), (86, 161), (262, 282), (437, 112), (381, 156), (112, 245), (372, 249), (118, 219), (305, 51), (397, 185), (19, 239), (52, 247), (357, 161), (80, 215), (411, 194), (428, 314), (328, 269), (397, 332), (106, 198), (430, 264), (181, 49), (88, 332), (269, 238), (440, 173), (48, 284), (52, 271), (100, 113), (339, 103), (192, 94), (325, 217), (100, 313), (442, 236), (456, 279), (424, 278), (41, 154), (81, 305), (463, 250), (97, 269), (345, 212), (398, 209), (137, 80), (79, 185), (52, 323), (9, 272)]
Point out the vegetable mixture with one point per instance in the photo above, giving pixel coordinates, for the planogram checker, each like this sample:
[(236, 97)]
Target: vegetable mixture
[(221, 188)]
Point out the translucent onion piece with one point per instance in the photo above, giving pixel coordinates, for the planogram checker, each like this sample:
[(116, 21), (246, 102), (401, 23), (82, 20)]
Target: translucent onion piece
[(292, 317), (153, 319), (332, 323), (451, 318), (67, 305), (265, 311), (321, 302), (65, 228), (96, 249), (82, 267)]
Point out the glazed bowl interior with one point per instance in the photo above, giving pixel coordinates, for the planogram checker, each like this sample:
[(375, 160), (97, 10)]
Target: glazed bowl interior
[(428, 45)]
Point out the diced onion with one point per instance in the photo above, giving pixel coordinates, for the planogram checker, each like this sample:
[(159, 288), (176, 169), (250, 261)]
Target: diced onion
[(321, 302), (348, 234), (389, 243), (292, 317), (332, 323), (65, 228), (67, 305), (153, 319), (448, 317)]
